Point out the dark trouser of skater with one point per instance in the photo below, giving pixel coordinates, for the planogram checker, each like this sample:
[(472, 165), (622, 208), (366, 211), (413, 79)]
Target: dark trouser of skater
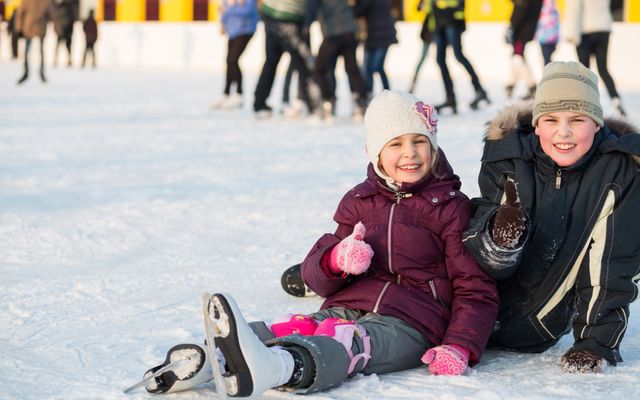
[(374, 63), (66, 39), (236, 47), (344, 45), (281, 37), (597, 44), (450, 35), (89, 48), (27, 47), (547, 51)]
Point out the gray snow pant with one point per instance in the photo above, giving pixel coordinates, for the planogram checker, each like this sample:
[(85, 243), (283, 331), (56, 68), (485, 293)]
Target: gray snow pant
[(395, 346)]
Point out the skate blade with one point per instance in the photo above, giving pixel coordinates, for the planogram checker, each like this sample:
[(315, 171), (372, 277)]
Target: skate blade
[(217, 325), (238, 379), (144, 381)]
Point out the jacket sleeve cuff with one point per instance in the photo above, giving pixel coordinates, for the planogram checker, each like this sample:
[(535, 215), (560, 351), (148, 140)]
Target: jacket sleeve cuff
[(612, 355), (497, 261)]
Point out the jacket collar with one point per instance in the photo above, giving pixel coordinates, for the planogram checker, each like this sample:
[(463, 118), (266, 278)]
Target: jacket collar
[(510, 135), (439, 186)]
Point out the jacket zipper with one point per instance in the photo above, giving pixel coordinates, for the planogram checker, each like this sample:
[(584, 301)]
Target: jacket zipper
[(433, 290), (558, 178), (398, 196), (384, 289), (393, 206)]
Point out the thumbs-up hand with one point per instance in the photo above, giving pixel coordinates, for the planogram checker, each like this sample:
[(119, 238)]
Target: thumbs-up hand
[(509, 221), (352, 255)]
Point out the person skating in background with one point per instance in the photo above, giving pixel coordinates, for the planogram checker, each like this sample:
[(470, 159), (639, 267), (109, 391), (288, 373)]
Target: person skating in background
[(381, 33), (90, 28), (556, 221), (450, 24), (31, 22), (284, 24), (523, 24), (588, 27), (426, 35), (63, 21), (239, 19), (295, 108), (548, 30), (339, 28)]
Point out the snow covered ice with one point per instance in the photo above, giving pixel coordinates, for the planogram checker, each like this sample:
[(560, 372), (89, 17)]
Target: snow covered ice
[(123, 198)]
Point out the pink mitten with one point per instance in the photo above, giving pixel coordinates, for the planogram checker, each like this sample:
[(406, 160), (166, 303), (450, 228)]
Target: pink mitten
[(352, 255), (446, 359)]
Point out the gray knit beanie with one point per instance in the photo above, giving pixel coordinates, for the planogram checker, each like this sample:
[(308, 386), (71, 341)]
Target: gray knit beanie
[(395, 113), (568, 86)]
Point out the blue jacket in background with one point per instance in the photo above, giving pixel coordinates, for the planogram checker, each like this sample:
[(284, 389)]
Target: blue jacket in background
[(239, 17)]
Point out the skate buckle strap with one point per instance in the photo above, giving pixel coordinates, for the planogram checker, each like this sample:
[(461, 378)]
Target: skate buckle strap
[(365, 355), (343, 331)]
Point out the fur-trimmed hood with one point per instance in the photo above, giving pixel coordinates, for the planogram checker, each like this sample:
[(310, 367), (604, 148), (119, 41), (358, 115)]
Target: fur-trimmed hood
[(518, 116)]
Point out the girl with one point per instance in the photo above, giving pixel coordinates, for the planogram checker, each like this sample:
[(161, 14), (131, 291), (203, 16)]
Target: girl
[(399, 286), (239, 19)]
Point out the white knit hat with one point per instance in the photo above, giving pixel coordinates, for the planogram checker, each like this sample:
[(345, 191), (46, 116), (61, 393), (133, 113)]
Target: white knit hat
[(395, 113)]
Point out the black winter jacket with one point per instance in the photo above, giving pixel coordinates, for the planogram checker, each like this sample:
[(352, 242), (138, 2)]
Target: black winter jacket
[(381, 31), (449, 12), (524, 19), (577, 262)]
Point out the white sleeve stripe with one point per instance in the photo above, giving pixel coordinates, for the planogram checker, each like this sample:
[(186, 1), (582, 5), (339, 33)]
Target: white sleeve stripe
[(623, 328)]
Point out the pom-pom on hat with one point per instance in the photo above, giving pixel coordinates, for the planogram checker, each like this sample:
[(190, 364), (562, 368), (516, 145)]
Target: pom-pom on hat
[(395, 113), (568, 86)]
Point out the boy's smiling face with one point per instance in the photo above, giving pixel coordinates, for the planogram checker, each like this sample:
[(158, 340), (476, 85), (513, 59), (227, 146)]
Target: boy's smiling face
[(406, 158), (566, 136)]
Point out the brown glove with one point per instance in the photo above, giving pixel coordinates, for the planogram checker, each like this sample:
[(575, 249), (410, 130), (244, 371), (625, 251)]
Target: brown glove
[(509, 221), (577, 361)]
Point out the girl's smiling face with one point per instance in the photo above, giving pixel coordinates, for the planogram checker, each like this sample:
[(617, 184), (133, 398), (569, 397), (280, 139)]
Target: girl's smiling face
[(406, 158), (566, 136)]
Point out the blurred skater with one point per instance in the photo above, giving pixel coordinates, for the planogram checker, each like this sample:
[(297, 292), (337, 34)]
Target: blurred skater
[(524, 20), (90, 28), (63, 20), (426, 35), (283, 25), (588, 26), (239, 19), (381, 33), (339, 29), (31, 21), (548, 30), (450, 24)]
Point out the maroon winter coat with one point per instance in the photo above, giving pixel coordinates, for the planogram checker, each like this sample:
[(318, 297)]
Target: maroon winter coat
[(420, 271)]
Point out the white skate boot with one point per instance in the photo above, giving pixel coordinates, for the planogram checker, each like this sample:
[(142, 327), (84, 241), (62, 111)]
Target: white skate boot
[(251, 367)]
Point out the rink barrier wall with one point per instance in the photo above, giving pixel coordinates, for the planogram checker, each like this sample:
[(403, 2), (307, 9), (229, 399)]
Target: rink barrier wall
[(200, 45), (208, 10)]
